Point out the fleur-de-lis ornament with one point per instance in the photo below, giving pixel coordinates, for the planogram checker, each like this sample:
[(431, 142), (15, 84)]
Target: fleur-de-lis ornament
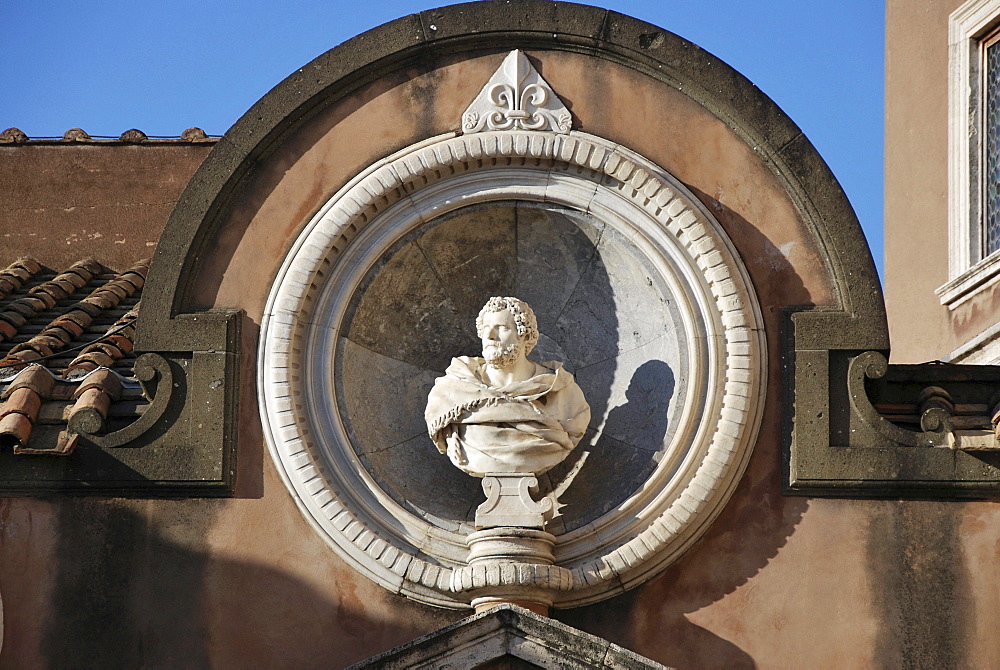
[(516, 98)]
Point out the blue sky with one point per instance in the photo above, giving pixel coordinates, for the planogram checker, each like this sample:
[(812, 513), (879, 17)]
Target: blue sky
[(163, 67)]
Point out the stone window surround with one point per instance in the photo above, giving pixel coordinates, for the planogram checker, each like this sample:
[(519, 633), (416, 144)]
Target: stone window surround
[(968, 271), (983, 349)]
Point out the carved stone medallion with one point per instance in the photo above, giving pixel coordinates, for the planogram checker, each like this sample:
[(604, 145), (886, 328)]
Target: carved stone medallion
[(637, 291)]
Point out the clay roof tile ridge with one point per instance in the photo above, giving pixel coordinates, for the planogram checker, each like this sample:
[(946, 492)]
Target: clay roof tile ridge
[(45, 295), (64, 329), (14, 275), (34, 376)]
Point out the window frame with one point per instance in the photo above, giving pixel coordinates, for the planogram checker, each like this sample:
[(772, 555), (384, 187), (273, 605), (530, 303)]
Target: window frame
[(971, 29)]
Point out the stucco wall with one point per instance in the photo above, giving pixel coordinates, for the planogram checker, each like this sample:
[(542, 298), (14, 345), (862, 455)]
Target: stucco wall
[(777, 581), (920, 535), (64, 202), (916, 189)]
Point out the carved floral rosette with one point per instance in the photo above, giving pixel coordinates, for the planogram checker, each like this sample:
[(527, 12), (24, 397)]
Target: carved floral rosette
[(722, 325)]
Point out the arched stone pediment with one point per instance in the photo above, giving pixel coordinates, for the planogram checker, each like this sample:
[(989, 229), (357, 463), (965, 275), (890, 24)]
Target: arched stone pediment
[(680, 206), (409, 46)]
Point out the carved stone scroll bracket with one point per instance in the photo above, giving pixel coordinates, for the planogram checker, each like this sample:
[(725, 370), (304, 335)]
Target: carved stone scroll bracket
[(864, 428), (516, 98), (182, 445), (511, 565), (940, 426), (873, 365), (154, 374), (509, 502)]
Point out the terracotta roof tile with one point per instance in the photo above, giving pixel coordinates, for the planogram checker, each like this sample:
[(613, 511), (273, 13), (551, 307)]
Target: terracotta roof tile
[(14, 275), (46, 295), (965, 393), (66, 345), (70, 327), (20, 310), (87, 362), (92, 408), (38, 302), (17, 415), (67, 326), (34, 377), (131, 136), (25, 356), (15, 429), (23, 401), (104, 380), (136, 279), (116, 344)]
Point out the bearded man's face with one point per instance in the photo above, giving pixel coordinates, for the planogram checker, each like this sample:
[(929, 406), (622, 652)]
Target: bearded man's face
[(501, 356), (501, 344)]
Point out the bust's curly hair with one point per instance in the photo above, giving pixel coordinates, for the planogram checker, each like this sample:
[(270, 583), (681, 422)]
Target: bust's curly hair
[(527, 325)]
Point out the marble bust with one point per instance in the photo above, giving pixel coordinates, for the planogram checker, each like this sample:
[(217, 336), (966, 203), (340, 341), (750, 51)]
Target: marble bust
[(501, 413)]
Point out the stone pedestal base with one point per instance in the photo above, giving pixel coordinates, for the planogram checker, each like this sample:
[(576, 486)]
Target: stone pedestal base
[(511, 565), (509, 502)]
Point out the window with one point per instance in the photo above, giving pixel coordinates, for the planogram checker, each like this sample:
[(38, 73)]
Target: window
[(990, 132), (974, 150)]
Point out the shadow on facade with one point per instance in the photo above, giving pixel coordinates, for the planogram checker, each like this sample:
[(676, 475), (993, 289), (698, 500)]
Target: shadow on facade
[(127, 594), (629, 445), (922, 595), (250, 448)]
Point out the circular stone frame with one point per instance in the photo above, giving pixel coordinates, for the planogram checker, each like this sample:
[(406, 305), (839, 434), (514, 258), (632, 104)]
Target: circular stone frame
[(722, 323)]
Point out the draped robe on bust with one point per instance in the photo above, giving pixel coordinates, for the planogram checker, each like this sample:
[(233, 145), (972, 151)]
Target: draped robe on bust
[(523, 427)]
